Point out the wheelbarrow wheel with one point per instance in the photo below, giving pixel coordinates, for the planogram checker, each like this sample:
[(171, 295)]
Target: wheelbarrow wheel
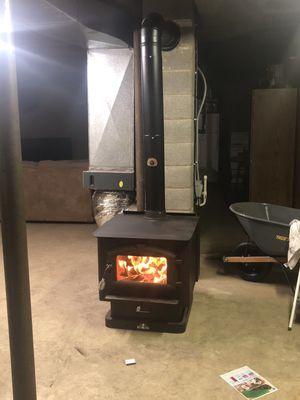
[(253, 272)]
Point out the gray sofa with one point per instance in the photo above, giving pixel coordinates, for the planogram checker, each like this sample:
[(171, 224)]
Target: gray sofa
[(54, 191)]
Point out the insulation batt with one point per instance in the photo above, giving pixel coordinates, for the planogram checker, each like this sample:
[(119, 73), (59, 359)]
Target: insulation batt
[(107, 204)]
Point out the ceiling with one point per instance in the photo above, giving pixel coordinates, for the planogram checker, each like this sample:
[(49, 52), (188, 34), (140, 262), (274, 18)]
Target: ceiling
[(224, 19), (243, 34), (72, 21)]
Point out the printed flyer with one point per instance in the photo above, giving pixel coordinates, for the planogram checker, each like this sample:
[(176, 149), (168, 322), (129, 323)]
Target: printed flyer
[(248, 383)]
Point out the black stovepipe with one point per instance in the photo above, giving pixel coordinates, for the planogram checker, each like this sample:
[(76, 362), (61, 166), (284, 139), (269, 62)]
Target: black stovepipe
[(156, 35)]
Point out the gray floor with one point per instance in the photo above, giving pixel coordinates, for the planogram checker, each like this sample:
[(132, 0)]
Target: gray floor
[(232, 323)]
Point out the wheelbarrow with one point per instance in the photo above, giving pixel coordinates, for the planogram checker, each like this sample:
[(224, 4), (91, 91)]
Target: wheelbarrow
[(268, 228)]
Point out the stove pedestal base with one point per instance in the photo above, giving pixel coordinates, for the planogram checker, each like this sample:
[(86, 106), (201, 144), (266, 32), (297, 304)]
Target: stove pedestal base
[(148, 325)]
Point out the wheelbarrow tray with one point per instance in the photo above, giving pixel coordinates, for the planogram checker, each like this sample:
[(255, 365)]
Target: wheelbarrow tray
[(267, 225)]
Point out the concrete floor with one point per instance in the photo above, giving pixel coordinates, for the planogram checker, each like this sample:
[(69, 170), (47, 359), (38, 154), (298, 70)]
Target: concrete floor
[(232, 323)]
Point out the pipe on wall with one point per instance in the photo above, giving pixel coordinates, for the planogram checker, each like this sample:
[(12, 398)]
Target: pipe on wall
[(139, 165), (156, 35), (14, 238), (152, 118)]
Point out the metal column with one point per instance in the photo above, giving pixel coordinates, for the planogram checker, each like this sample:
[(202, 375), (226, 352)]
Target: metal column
[(13, 226)]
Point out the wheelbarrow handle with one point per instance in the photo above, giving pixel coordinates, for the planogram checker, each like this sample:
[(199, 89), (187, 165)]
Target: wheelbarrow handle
[(252, 259)]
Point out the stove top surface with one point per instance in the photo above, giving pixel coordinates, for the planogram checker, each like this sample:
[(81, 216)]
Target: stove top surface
[(139, 226)]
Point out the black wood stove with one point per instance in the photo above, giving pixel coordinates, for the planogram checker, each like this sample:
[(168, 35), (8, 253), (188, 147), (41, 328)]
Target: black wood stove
[(149, 262)]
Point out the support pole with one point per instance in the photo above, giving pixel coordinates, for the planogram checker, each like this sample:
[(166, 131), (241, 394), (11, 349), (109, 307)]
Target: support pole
[(13, 225)]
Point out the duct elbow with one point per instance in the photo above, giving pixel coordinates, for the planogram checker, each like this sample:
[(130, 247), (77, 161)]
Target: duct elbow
[(170, 31)]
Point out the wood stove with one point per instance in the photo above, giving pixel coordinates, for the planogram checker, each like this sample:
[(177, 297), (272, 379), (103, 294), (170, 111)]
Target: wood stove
[(148, 268), (149, 262)]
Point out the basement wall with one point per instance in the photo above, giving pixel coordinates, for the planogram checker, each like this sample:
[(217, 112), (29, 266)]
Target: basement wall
[(178, 80)]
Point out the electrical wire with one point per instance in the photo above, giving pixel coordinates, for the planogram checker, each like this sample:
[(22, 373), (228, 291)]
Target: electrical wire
[(197, 168)]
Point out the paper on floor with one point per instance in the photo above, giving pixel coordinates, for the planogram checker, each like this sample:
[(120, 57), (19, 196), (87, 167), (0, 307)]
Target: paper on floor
[(248, 383), (130, 361)]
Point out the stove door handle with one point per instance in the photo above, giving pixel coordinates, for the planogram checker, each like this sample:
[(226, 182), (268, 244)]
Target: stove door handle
[(102, 283)]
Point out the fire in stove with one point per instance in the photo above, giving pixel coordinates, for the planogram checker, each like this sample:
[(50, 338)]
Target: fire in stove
[(145, 269)]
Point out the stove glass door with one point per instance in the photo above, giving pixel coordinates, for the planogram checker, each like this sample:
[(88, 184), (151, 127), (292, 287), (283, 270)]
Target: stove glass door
[(144, 269)]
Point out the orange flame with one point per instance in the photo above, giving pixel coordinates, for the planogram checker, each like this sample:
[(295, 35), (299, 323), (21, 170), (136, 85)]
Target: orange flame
[(142, 269)]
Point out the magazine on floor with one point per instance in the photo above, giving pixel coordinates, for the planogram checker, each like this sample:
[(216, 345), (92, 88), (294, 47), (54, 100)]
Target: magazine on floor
[(248, 383)]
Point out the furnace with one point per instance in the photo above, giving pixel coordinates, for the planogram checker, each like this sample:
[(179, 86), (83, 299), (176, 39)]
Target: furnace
[(149, 261)]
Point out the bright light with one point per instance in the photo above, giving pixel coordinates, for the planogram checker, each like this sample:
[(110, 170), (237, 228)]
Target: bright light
[(5, 27)]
